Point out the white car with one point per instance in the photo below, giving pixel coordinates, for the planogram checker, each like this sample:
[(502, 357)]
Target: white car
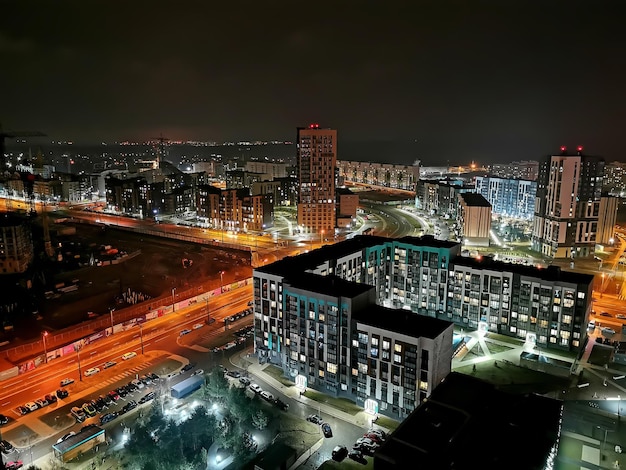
[(267, 395), (608, 331), (92, 371), (32, 406), (198, 325), (129, 355), (256, 388)]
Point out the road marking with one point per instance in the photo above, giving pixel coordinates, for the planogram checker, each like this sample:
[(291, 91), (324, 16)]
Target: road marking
[(160, 339), (5, 404)]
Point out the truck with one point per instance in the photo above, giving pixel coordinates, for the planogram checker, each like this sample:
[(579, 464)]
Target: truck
[(187, 386)]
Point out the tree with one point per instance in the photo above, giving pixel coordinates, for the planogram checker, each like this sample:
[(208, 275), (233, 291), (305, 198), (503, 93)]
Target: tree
[(239, 404), (259, 420), (216, 386)]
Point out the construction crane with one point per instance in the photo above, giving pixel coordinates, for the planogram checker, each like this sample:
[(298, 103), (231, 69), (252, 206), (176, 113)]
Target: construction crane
[(161, 150), (11, 135)]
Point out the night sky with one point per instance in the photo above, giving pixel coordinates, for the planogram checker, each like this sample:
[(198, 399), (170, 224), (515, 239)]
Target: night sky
[(488, 81)]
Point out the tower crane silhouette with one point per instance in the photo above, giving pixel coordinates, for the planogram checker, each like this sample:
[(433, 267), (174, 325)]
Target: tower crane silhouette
[(161, 151), (11, 135)]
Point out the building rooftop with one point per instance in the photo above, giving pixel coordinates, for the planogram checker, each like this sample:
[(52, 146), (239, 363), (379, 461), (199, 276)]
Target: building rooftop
[(311, 260), (475, 200), (330, 285), (551, 273), (401, 321), (468, 423)]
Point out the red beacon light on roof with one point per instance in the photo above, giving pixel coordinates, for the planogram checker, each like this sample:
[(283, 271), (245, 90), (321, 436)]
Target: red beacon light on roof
[(563, 148), (314, 126), (579, 148)]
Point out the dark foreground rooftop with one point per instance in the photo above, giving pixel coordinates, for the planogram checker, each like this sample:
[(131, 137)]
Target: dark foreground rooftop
[(468, 423)]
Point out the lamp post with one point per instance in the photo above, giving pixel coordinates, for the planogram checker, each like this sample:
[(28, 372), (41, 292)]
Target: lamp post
[(321, 237), (45, 349), (80, 373), (141, 336), (111, 309), (173, 301), (222, 282), (208, 315)]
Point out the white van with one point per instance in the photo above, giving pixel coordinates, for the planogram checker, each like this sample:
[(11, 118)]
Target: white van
[(129, 355)]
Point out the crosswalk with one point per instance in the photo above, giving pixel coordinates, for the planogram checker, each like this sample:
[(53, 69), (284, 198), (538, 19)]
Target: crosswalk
[(132, 371)]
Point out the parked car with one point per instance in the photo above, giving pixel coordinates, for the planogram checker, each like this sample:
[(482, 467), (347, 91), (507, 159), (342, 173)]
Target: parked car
[(327, 430), (78, 413), (357, 456), (23, 410), (121, 391), (114, 395), (382, 434), (374, 437), (267, 395), (14, 465), (256, 388), (6, 447), (128, 355), (108, 399), (62, 393), (198, 372), (281, 404), (89, 409), (131, 405), (92, 371), (66, 436), (32, 406), (147, 397), (41, 402), (365, 445), (153, 376), (67, 381), (315, 419), (99, 403), (108, 417), (621, 316), (131, 386), (339, 453), (50, 398), (187, 367), (235, 374), (3, 419), (138, 383), (184, 332), (244, 380)]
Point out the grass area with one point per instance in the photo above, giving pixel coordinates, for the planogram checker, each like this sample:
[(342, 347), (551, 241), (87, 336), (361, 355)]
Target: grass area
[(277, 373), (515, 379), (388, 423), (504, 339), (342, 404), (495, 348), (297, 433), (473, 353)]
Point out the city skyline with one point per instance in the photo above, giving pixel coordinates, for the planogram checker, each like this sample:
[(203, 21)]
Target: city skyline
[(487, 81)]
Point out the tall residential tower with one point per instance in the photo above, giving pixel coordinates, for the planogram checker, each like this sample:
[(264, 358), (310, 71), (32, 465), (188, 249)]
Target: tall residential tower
[(567, 206), (317, 159)]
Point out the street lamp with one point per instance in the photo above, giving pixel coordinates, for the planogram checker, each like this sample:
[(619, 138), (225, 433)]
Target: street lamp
[(321, 237), (111, 309), (45, 349), (208, 315), (221, 281), (80, 374), (173, 301), (141, 336)]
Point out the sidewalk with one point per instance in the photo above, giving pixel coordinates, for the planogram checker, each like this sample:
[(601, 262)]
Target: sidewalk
[(361, 418)]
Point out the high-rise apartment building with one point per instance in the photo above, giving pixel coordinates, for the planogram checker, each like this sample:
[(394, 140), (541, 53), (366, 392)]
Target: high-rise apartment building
[(508, 197), (317, 159), (567, 205)]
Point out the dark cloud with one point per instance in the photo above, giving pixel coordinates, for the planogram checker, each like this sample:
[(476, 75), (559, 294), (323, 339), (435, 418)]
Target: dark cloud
[(490, 79)]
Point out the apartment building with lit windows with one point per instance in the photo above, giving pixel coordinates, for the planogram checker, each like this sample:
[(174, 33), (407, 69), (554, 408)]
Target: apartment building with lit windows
[(429, 277), (567, 206), (316, 159), (508, 197)]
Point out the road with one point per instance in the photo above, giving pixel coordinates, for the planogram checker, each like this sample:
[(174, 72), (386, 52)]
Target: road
[(155, 340)]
